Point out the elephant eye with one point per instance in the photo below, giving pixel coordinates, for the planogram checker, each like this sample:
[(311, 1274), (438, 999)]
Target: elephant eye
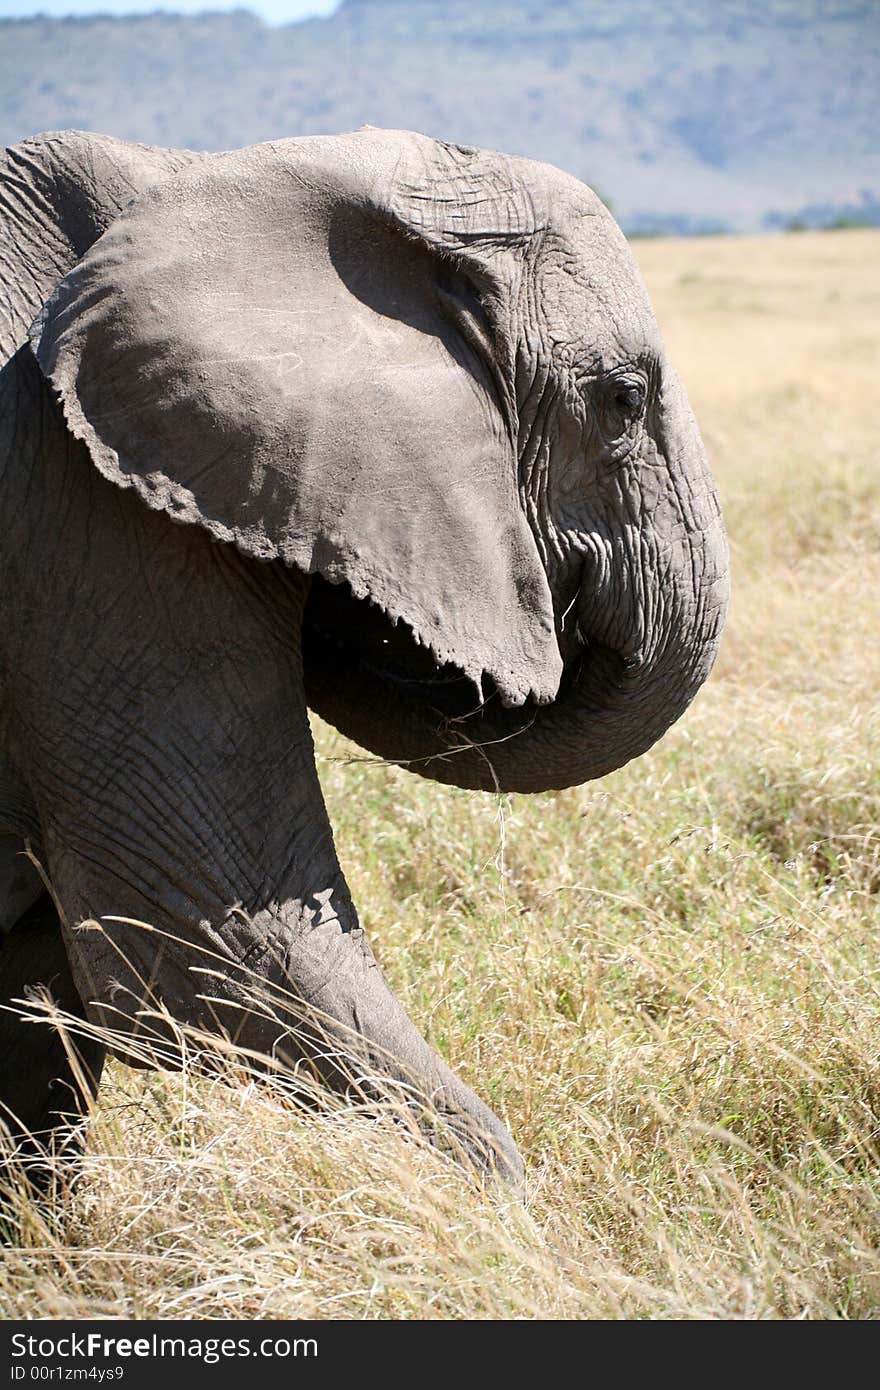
[(628, 399), (620, 404)]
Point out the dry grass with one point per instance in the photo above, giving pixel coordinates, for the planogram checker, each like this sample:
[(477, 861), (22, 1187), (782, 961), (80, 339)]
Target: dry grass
[(666, 983)]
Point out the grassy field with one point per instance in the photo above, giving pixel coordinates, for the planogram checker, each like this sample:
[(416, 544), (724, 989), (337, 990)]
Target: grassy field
[(666, 983)]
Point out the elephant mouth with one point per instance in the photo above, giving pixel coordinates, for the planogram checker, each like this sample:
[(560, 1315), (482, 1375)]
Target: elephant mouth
[(343, 628), (367, 674), (351, 641)]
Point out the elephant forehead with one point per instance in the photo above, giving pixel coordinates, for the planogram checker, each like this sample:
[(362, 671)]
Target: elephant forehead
[(592, 300)]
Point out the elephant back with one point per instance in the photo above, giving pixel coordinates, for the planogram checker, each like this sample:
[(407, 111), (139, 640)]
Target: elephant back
[(59, 192)]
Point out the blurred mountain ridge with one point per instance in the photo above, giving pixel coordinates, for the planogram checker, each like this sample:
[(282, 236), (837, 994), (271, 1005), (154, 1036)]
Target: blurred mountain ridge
[(687, 115)]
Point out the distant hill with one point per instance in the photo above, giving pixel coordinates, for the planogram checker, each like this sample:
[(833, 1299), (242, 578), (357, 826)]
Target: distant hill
[(684, 114)]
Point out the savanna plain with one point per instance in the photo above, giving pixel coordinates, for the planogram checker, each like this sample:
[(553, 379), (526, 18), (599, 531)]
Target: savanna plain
[(667, 983)]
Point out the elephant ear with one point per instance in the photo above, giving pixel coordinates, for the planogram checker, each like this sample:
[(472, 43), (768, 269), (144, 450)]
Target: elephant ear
[(290, 346)]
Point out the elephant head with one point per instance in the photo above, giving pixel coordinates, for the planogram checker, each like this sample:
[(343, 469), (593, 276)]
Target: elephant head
[(432, 473), (430, 377)]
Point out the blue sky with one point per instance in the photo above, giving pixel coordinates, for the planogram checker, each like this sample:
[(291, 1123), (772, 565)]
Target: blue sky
[(273, 11)]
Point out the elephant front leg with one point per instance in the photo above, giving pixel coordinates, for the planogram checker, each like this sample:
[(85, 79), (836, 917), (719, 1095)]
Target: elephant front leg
[(365, 1042), (291, 977), (175, 781), (294, 980)]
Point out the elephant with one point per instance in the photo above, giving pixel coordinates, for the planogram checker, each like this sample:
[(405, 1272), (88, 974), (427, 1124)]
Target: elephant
[(370, 424)]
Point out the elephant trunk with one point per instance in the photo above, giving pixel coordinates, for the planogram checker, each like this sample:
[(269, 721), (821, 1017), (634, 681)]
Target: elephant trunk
[(638, 640)]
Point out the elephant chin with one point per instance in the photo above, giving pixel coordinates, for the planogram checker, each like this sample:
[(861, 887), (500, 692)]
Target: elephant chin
[(369, 677)]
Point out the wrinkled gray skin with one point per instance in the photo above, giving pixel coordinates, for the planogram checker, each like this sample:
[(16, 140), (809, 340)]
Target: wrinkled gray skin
[(432, 475)]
